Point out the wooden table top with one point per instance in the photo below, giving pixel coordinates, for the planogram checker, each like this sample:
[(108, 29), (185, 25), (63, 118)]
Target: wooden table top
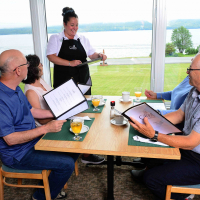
[(107, 139)]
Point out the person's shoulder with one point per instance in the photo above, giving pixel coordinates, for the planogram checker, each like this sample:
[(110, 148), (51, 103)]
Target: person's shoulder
[(56, 36), (82, 37), (31, 94)]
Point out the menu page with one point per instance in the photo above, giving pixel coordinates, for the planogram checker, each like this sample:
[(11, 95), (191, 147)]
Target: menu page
[(64, 98), (157, 121), (84, 88)]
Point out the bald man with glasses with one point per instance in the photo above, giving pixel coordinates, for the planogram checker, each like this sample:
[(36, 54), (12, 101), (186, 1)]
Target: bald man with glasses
[(186, 171), (18, 133)]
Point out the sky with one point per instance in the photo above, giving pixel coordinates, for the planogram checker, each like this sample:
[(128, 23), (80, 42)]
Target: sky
[(16, 13)]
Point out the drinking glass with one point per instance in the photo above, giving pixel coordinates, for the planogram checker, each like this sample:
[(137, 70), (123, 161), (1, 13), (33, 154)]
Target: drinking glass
[(76, 126), (138, 93), (95, 102)]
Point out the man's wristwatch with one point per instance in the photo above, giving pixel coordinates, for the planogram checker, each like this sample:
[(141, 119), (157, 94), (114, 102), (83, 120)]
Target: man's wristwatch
[(155, 137)]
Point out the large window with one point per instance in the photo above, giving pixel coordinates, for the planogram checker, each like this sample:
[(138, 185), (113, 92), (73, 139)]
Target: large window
[(15, 27), (180, 14), (122, 30)]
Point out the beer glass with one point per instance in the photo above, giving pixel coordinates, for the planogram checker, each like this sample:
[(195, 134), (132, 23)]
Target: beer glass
[(138, 93), (76, 126)]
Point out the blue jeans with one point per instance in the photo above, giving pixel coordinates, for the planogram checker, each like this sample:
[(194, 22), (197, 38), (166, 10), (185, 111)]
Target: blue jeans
[(172, 172), (61, 164)]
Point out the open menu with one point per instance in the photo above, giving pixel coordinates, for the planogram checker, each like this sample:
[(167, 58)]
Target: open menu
[(157, 121), (66, 100), (85, 87)]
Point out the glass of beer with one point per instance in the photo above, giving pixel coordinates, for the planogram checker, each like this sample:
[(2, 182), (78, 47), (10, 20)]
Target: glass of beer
[(95, 102), (76, 126), (138, 93)]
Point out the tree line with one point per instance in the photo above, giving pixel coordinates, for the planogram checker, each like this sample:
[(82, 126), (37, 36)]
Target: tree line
[(121, 26)]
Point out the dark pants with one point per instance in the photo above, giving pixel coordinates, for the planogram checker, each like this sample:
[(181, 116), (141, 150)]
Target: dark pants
[(172, 172), (61, 164)]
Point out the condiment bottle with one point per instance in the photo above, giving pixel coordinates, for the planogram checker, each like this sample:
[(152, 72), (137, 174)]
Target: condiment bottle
[(112, 111)]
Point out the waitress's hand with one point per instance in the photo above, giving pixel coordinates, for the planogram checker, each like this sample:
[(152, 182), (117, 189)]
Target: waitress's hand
[(74, 63), (103, 56)]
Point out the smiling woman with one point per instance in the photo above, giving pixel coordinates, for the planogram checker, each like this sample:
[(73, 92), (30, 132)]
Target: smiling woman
[(67, 50)]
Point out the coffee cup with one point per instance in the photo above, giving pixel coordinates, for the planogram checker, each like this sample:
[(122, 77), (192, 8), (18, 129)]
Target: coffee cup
[(119, 119), (125, 96)]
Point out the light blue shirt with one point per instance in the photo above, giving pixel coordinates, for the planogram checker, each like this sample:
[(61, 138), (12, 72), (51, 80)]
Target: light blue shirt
[(191, 108), (177, 95)]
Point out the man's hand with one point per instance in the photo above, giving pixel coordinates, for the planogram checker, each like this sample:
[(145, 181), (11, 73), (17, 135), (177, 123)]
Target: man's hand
[(150, 94), (146, 128), (54, 125)]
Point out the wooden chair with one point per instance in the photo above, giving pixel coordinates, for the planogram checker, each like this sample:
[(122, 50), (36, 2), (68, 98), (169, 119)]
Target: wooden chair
[(6, 172), (186, 189)]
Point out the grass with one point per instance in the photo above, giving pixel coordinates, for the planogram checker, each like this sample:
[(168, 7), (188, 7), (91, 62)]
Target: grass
[(113, 79), (185, 55)]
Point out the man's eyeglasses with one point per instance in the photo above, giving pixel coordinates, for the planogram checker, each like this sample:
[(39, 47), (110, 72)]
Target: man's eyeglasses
[(22, 65), (188, 69)]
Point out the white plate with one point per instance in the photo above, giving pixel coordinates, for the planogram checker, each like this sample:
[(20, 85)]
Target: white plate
[(125, 101), (102, 104), (112, 121), (83, 130)]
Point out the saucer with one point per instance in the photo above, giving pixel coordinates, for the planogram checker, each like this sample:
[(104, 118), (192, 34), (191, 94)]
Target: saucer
[(83, 130), (112, 121), (102, 104), (130, 99)]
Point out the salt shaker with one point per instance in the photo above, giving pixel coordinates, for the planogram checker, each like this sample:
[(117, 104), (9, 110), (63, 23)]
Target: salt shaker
[(112, 111)]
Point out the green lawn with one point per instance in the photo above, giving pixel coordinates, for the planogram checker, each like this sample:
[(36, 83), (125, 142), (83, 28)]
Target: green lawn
[(113, 79)]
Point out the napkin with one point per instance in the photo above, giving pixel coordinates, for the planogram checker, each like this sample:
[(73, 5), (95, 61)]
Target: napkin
[(147, 140), (89, 99), (85, 117)]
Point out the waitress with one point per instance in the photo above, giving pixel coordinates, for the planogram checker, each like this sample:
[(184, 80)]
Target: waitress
[(68, 49)]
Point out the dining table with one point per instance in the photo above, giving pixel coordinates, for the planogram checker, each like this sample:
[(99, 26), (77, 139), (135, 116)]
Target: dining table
[(106, 138)]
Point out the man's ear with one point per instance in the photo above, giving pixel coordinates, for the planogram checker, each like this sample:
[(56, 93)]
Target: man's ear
[(18, 71)]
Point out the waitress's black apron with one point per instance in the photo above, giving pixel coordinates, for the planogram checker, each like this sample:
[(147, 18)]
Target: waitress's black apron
[(71, 50)]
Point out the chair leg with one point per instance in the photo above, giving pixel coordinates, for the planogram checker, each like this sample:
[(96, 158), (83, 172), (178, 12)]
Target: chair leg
[(1, 186), (76, 168), (19, 181), (46, 185), (168, 192), (65, 186)]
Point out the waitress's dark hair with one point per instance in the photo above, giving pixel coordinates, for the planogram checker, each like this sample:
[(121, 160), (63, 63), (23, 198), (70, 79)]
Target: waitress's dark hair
[(67, 13), (33, 69)]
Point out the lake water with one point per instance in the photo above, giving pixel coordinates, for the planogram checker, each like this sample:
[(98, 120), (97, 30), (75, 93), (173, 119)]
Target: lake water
[(117, 44)]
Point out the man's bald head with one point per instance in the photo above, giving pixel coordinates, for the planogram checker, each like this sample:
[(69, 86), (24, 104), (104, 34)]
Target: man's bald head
[(196, 61), (9, 59)]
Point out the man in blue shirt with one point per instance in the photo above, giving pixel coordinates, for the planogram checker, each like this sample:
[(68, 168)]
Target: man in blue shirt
[(185, 171), (176, 96), (18, 133)]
